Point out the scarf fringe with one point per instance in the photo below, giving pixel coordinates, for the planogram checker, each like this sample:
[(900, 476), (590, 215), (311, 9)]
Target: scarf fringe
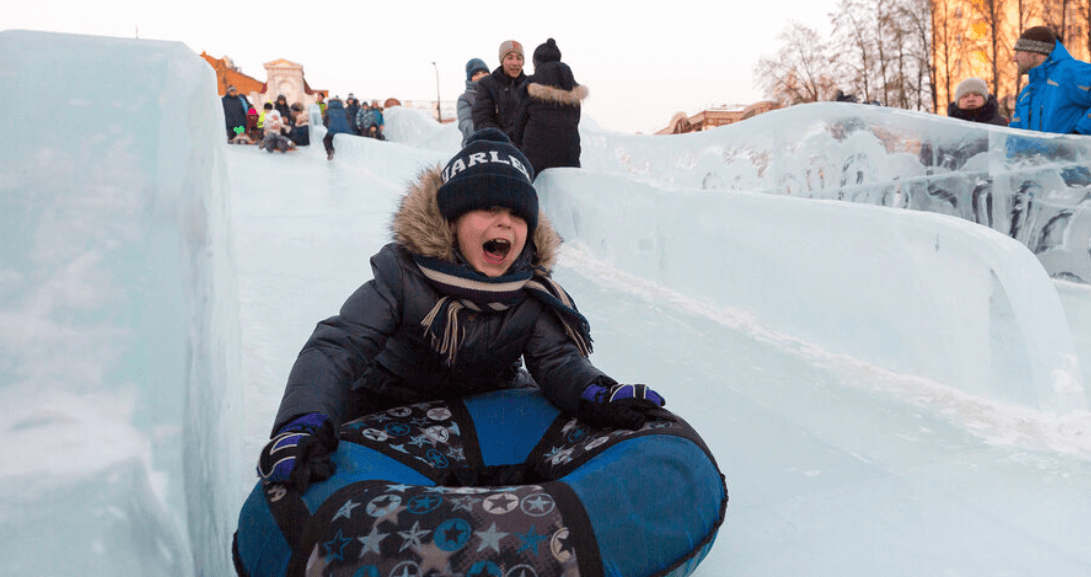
[(446, 333)]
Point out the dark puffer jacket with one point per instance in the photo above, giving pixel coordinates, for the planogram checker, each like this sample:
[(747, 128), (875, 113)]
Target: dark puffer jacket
[(335, 119), (499, 102), (549, 125), (377, 341), (989, 113)]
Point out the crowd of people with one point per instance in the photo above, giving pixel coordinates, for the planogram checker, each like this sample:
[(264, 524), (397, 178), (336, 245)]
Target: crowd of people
[(1056, 98), (277, 127), (540, 113), (280, 127), (351, 117)]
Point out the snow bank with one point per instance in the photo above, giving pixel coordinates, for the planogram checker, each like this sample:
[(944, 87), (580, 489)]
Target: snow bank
[(1031, 186), (924, 294), (118, 311)]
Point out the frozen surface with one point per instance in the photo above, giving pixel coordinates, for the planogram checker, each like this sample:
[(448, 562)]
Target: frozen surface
[(118, 311), (1033, 187), (888, 392)]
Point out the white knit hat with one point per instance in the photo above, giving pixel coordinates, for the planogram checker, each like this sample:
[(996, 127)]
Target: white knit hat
[(974, 85)]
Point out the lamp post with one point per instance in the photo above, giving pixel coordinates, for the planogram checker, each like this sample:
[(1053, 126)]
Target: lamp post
[(439, 111)]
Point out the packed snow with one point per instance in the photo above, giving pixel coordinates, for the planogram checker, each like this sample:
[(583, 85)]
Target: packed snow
[(888, 391)]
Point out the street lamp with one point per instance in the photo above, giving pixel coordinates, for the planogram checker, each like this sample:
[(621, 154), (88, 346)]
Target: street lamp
[(439, 111)]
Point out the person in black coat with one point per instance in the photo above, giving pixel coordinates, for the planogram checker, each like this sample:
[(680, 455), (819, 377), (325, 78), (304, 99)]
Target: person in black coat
[(235, 107), (499, 95), (285, 111), (460, 295), (549, 125), (974, 103)]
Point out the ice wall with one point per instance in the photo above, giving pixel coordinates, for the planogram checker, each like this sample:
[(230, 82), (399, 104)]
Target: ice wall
[(118, 311), (1031, 186), (916, 293)]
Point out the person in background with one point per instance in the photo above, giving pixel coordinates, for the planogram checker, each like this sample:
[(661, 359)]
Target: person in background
[(320, 100), (235, 107), (974, 103), (1056, 97), (372, 121), (352, 109), (336, 123), (476, 69), (460, 295), (301, 131), (285, 111), (549, 126), (274, 131), (498, 103), (362, 120), (253, 128)]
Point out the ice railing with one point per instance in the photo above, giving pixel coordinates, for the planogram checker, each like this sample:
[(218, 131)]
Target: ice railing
[(1031, 186)]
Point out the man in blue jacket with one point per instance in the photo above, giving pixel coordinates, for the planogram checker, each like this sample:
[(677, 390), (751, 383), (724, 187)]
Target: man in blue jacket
[(1057, 97)]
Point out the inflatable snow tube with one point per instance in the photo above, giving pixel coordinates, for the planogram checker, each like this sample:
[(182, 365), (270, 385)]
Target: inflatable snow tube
[(494, 485)]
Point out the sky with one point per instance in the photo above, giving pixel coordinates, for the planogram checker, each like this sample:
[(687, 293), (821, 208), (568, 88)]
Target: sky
[(643, 62), (869, 419)]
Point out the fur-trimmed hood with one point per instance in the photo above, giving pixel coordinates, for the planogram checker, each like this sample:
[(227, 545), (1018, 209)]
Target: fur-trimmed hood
[(555, 95), (553, 82), (420, 228)]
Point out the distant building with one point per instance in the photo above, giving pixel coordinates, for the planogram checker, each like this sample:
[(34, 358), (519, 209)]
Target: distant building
[(682, 123), (282, 77), (227, 74)]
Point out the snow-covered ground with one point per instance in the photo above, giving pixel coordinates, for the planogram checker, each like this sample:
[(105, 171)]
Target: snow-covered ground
[(888, 392)]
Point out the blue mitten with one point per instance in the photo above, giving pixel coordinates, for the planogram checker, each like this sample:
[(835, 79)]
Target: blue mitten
[(621, 406), (299, 453)]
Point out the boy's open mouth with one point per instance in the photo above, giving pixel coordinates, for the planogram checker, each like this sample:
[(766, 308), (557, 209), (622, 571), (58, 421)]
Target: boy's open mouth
[(496, 250)]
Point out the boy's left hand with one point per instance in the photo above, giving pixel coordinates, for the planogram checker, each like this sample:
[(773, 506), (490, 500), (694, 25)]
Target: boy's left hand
[(621, 406)]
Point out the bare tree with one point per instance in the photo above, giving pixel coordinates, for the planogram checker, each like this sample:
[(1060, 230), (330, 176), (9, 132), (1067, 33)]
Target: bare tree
[(853, 35), (800, 71), (1026, 11), (945, 42), (1055, 14), (988, 32), (905, 50), (916, 19)]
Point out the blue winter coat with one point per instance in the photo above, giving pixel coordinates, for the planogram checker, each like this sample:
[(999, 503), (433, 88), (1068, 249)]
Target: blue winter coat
[(1057, 98), (335, 119), (377, 343)]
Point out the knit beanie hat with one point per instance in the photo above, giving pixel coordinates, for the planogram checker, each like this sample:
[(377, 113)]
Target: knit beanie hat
[(474, 66), (971, 85), (1037, 39), (489, 172), (510, 46), (547, 52)]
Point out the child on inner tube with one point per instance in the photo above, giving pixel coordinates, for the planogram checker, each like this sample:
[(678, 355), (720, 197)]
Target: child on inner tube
[(461, 294)]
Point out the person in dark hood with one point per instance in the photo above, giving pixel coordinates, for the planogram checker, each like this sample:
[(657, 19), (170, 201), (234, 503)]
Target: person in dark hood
[(476, 69), (352, 109), (549, 125), (499, 96), (285, 110), (974, 103), (460, 295)]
